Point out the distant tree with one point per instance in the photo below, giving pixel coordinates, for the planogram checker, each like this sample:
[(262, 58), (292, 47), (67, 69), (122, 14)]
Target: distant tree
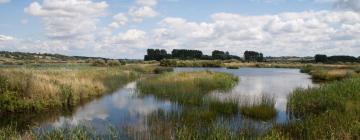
[(253, 56), (186, 54), (155, 54), (220, 55), (320, 58), (342, 58)]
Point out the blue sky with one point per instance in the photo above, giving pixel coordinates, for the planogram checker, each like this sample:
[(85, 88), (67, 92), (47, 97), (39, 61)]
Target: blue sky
[(125, 28)]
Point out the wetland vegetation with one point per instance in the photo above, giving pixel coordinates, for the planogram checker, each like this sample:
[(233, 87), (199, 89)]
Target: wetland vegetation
[(175, 104)]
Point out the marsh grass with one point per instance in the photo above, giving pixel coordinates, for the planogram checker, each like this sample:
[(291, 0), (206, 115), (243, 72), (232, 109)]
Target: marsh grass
[(160, 70), (264, 109), (228, 107), (330, 111), (31, 89), (320, 73), (80, 132), (186, 88)]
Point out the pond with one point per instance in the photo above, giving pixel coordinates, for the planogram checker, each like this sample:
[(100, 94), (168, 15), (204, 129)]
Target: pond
[(124, 108)]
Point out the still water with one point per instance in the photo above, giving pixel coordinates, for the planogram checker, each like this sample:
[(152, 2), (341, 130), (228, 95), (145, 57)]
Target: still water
[(123, 107)]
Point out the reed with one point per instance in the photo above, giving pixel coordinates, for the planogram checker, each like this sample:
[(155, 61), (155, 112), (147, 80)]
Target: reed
[(32, 89), (186, 88), (264, 109), (330, 111)]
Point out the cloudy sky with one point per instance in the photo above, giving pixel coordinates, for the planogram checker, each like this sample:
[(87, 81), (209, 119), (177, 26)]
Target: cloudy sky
[(126, 28)]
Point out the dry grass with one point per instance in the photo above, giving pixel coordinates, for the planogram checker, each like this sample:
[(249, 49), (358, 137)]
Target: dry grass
[(37, 89)]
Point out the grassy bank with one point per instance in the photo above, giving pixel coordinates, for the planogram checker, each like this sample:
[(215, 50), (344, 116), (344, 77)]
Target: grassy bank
[(186, 88), (329, 112), (31, 89), (330, 73)]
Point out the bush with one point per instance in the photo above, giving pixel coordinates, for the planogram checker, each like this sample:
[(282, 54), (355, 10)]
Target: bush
[(113, 63), (160, 70), (232, 67), (99, 63)]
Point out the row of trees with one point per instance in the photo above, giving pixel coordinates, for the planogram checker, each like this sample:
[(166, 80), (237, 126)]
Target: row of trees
[(253, 56), (184, 54), (320, 58)]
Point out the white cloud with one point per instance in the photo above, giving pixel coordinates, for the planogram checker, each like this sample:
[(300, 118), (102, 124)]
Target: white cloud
[(303, 33), (119, 19), (5, 38), (143, 9), (140, 13), (68, 19), (147, 2), (4, 1), (71, 26)]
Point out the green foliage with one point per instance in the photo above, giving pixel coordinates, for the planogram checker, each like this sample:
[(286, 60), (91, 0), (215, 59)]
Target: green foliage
[(253, 56), (190, 63), (184, 54)]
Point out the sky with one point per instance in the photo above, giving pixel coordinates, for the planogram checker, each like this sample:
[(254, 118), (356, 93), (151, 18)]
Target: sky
[(127, 28)]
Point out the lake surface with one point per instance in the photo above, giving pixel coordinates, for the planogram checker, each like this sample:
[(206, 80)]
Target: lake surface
[(123, 107)]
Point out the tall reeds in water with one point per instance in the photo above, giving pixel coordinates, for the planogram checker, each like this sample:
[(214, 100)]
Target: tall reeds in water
[(330, 111), (186, 88), (23, 90), (263, 109)]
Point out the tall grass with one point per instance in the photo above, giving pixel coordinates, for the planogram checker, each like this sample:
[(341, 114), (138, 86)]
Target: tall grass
[(264, 109), (330, 73), (81, 132), (330, 111), (26, 89), (186, 88)]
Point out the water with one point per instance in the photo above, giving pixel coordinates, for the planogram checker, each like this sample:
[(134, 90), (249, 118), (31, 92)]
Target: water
[(255, 82), (124, 107)]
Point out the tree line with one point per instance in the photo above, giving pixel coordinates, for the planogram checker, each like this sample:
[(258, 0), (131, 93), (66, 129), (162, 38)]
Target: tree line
[(185, 54), (321, 58)]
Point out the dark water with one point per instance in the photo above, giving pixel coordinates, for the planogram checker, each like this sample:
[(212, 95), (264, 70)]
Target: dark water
[(124, 107)]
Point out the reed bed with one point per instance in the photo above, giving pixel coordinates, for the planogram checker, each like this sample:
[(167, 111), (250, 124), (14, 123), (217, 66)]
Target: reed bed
[(186, 88), (330, 111), (263, 109), (330, 73), (27, 89)]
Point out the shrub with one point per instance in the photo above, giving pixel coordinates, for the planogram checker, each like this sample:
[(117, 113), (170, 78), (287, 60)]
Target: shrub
[(113, 63), (160, 70), (232, 67), (99, 63)]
